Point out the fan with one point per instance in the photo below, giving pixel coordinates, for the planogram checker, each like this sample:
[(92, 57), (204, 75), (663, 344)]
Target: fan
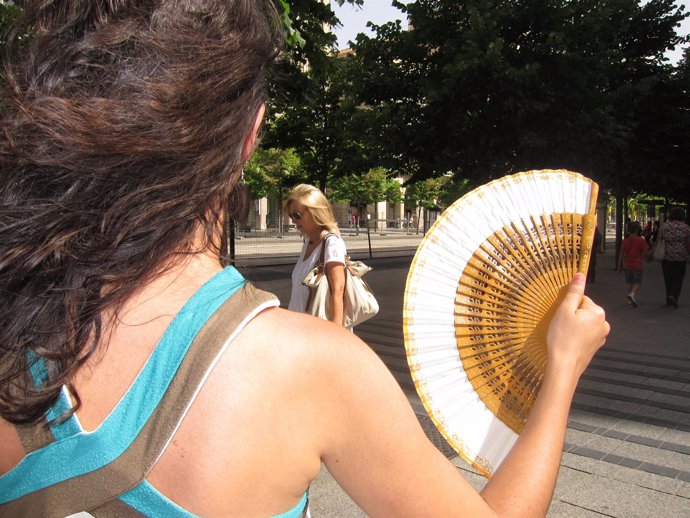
[(479, 297)]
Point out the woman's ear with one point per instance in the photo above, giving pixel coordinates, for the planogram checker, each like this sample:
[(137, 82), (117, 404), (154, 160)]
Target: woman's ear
[(250, 140)]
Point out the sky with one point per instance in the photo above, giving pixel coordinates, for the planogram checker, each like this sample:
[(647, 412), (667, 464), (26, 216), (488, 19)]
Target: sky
[(354, 20)]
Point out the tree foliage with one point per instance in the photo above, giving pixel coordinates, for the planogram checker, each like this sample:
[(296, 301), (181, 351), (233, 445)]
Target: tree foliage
[(480, 88), (426, 193), (660, 154), (304, 106), (270, 171), (370, 187)]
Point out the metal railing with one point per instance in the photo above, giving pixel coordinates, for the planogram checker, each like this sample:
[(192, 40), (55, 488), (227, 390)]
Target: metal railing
[(282, 246)]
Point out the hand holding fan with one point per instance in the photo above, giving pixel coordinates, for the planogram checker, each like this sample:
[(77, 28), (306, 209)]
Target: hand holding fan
[(479, 297)]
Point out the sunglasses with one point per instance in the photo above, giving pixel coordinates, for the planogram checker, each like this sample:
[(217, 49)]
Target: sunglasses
[(296, 215)]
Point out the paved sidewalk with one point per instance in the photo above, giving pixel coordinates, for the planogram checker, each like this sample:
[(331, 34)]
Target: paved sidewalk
[(627, 453)]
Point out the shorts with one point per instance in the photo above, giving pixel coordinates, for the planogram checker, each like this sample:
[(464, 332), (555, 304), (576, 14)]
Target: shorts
[(633, 276)]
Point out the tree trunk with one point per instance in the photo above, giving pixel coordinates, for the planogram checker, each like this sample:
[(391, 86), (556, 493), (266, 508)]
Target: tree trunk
[(619, 221)]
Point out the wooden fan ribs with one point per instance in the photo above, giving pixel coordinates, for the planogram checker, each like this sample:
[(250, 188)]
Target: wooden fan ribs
[(502, 308), (481, 291)]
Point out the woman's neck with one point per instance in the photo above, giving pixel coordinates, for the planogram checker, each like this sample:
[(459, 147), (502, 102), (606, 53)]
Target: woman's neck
[(315, 237)]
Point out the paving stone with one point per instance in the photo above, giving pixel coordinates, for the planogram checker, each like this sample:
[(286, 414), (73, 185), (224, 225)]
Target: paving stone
[(613, 459), (625, 392), (621, 472), (661, 372), (684, 489), (616, 498), (619, 408), (560, 509), (653, 383), (676, 436), (629, 463), (640, 429), (584, 418), (679, 401), (679, 461), (616, 366), (647, 441), (587, 399), (575, 425), (615, 376), (678, 448), (682, 426), (605, 444), (577, 437), (664, 471), (645, 411), (615, 434), (587, 452), (592, 419), (672, 415), (643, 453)]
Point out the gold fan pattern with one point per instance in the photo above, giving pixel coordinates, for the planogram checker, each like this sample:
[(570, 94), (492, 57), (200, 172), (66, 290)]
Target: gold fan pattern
[(480, 293), (503, 306)]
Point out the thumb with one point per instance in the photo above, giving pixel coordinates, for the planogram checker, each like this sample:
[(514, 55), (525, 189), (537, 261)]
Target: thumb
[(576, 291)]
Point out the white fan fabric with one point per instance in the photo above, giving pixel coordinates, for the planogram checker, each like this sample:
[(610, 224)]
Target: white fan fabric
[(429, 312)]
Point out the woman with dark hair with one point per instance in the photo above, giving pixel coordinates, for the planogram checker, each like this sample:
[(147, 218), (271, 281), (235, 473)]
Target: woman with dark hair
[(676, 236), (140, 378)]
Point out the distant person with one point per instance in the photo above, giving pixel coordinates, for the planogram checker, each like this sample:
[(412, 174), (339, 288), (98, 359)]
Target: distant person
[(596, 249), (312, 214), (655, 231), (138, 377), (647, 232), (676, 234), (632, 258)]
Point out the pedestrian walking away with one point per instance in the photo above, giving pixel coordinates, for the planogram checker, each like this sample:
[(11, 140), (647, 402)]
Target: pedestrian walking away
[(633, 252), (676, 234)]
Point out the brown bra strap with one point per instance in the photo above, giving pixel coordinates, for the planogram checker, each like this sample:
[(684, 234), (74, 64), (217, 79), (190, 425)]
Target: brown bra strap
[(92, 490)]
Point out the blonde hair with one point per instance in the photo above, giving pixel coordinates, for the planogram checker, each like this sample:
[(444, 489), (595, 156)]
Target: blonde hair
[(317, 203)]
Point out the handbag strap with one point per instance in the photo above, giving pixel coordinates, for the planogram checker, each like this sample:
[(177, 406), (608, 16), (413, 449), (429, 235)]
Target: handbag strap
[(323, 248), (320, 264)]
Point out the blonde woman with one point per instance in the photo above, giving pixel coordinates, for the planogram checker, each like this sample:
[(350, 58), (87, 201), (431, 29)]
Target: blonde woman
[(311, 213)]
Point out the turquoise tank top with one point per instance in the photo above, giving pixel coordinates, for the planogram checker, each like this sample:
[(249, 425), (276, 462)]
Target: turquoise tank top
[(68, 470)]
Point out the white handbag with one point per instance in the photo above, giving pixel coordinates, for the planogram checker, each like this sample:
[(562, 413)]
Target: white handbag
[(659, 246), (359, 303)]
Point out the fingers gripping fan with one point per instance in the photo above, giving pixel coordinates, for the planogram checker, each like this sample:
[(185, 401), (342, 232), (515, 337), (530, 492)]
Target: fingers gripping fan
[(480, 294)]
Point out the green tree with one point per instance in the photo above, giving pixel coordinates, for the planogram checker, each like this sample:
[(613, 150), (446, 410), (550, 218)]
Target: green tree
[(434, 193), (481, 88), (304, 105), (361, 190), (270, 171), (660, 155)]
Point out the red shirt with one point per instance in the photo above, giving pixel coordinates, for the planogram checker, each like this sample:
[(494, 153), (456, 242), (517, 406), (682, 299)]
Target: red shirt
[(633, 250)]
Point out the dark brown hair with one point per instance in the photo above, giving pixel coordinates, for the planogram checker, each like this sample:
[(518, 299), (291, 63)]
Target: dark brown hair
[(122, 133)]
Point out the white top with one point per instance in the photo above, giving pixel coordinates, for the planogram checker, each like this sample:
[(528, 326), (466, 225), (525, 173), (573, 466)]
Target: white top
[(335, 252)]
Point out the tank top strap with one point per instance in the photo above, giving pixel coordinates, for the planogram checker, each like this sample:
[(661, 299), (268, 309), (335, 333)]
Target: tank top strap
[(82, 471)]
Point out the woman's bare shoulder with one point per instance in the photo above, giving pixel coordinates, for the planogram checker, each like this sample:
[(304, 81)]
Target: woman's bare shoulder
[(299, 339), (306, 356)]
